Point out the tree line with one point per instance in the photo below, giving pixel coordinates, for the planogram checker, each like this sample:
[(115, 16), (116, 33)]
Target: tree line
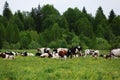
[(46, 27)]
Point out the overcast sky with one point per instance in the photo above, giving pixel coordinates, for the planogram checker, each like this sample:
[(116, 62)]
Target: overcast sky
[(62, 5)]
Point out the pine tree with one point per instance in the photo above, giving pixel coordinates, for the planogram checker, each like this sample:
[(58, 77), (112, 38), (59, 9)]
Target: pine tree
[(111, 16), (6, 11), (84, 10), (99, 18)]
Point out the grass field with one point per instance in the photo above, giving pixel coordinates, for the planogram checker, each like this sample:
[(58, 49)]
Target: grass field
[(35, 68)]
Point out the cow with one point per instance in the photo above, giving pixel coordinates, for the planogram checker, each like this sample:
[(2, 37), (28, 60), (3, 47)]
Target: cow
[(94, 53), (25, 53), (116, 52), (7, 56), (56, 55), (74, 51), (43, 50), (62, 54), (38, 54), (2, 55), (47, 53), (113, 53), (109, 56)]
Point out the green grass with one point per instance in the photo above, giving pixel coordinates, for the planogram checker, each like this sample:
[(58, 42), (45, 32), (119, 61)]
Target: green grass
[(35, 68)]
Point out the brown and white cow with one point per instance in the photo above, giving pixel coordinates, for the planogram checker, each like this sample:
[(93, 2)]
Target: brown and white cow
[(60, 53)]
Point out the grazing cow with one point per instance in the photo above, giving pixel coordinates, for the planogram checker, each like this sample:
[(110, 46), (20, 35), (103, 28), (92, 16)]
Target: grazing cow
[(113, 53), (76, 51)]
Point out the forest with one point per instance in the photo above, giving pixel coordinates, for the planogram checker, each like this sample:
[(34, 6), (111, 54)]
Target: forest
[(46, 27)]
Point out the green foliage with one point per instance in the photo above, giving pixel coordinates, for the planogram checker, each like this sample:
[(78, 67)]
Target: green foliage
[(48, 10), (53, 44), (29, 23), (111, 16), (37, 16), (75, 41), (102, 44), (15, 46), (116, 26), (72, 15), (18, 22), (45, 26), (86, 41), (116, 42), (99, 19), (84, 27), (6, 45), (2, 35), (100, 31), (34, 35), (33, 45), (62, 43), (12, 32), (41, 40), (25, 39)]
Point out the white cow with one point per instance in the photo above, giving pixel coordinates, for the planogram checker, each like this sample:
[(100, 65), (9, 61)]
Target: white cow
[(95, 53), (116, 52), (113, 53)]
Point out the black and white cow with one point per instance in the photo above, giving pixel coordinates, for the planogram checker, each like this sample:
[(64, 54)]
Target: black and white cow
[(74, 51), (94, 53), (46, 55), (7, 56), (25, 53), (43, 50)]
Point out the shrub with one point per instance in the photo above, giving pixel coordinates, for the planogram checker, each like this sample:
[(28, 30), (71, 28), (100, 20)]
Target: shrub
[(102, 44), (6, 45), (33, 45)]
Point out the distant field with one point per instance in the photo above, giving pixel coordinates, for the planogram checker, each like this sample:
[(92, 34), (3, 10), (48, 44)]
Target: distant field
[(35, 68)]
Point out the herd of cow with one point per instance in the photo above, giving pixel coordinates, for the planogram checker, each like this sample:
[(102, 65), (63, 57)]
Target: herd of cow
[(63, 53)]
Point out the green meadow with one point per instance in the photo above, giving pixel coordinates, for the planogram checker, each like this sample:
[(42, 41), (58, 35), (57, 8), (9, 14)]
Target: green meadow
[(36, 68)]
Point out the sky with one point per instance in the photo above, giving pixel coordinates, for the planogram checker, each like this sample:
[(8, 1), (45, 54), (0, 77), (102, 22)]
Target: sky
[(62, 5)]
